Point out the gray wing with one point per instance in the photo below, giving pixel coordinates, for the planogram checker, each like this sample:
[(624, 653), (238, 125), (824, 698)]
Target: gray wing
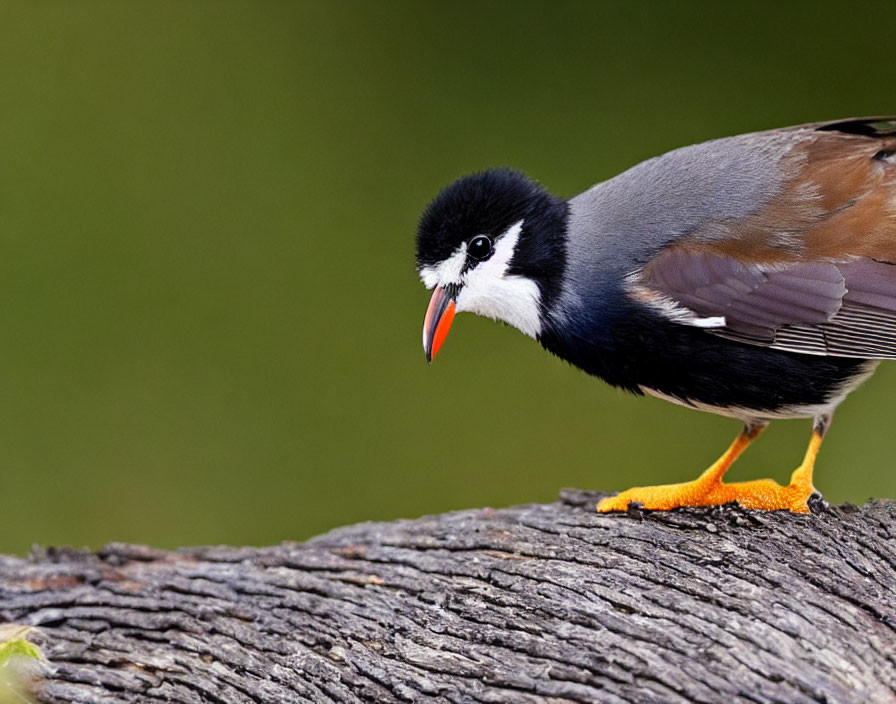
[(811, 268), (845, 309)]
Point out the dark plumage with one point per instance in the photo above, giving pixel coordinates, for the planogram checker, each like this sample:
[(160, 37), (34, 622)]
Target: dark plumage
[(753, 276), (488, 203), (485, 202)]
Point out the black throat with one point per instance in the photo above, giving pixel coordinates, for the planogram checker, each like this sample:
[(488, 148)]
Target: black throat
[(541, 251)]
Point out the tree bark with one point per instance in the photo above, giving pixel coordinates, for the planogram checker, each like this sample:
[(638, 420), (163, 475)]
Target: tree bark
[(535, 603)]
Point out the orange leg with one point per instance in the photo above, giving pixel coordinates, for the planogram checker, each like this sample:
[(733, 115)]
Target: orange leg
[(709, 490)]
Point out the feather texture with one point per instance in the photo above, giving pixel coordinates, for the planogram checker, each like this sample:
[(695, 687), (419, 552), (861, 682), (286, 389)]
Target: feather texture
[(813, 269)]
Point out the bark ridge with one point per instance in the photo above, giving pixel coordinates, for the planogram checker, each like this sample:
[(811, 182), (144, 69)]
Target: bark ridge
[(535, 603)]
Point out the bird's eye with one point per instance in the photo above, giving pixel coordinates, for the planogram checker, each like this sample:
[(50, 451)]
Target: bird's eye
[(480, 247)]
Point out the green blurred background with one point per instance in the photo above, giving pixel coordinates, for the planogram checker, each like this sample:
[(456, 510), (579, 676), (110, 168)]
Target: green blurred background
[(210, 317)]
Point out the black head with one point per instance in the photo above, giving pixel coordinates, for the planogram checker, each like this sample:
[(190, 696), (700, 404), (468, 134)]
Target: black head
[(487, 204), (495, 243)]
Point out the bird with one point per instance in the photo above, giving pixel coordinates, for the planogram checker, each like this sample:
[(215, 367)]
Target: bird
[(751, 276)]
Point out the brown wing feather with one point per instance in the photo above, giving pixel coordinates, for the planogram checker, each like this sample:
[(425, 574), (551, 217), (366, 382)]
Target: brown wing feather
[(814, 270)]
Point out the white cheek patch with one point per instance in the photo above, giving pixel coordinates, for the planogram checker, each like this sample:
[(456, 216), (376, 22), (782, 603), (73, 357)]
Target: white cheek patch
[(488, 291), (447, 272), (513, 299)]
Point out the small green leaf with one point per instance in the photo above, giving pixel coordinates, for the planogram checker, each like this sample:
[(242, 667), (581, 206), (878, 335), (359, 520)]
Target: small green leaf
[(13, 642), (15, 654), (19, 646)]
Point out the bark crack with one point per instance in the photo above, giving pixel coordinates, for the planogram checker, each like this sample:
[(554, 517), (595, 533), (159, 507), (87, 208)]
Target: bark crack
[(531, 604)]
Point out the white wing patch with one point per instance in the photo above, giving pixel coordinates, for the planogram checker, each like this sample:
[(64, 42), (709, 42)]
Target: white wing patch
[(668, 307), (715, 321)]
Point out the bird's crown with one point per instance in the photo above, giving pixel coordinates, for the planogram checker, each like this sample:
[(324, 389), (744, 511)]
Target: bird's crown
[(484, 203)]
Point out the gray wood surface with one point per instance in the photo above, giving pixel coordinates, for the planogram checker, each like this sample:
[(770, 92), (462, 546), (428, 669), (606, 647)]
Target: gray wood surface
[(534, 603)]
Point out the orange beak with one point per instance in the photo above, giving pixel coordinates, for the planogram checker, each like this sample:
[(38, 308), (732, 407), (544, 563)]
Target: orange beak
[(438, 319)]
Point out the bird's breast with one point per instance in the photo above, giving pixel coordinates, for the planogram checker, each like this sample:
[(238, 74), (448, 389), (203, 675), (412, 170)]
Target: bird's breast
[(640, 352)]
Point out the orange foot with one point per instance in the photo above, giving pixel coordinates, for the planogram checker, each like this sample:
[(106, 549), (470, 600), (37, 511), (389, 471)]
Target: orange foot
[(764, 494), (708, 489)]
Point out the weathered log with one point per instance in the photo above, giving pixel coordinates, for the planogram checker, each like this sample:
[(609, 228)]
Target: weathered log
[(535, 603)]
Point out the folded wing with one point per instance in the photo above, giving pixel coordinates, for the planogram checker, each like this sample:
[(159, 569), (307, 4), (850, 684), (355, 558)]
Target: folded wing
[(814, 270)]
